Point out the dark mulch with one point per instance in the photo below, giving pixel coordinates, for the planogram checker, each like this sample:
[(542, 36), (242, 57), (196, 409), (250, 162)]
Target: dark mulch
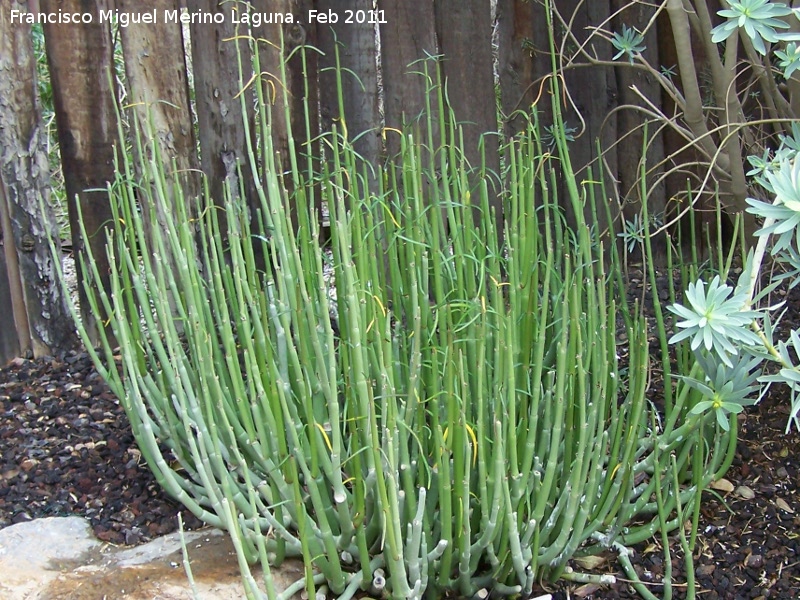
[(66, 448), (749, 542)]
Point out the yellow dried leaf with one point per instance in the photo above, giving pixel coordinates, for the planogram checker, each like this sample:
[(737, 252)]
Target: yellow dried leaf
[(650, 549)]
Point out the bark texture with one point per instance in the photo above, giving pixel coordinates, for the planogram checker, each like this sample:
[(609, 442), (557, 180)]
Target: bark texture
[(159, 88), (81, 66), (358, 51), (464, 30), (39, 319), (407, 37)]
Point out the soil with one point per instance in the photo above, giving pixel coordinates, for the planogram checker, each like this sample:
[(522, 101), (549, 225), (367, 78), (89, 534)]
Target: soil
[(66, 449)]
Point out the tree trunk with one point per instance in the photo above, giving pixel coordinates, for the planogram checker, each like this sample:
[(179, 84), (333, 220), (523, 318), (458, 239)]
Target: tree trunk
[(357, 48), (10, 292), (81, 65), (407, 37), (464, 30)]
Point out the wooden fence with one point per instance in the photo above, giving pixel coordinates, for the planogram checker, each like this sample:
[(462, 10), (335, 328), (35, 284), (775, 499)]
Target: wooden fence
[(483, 46)]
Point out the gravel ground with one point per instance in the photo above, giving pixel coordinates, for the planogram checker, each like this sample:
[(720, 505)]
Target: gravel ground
[(66, 448)]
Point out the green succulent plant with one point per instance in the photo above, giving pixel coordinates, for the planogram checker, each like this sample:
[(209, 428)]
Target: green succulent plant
[(789, 59), (783, 214), (715, 319), (759, 19), (727, 388), (628, 43)]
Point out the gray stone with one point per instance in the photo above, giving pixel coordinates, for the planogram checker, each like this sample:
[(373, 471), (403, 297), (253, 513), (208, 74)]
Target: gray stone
[(59, 559), (33, 553)]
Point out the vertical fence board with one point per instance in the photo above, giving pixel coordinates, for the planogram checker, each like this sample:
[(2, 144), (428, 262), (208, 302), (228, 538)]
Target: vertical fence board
[(588, 94), (516, 52), (271, 57), (81, 61), (39, 313), (294, 106), (629, 122), (155, 69), (407, 36), (464, 30), (219, 110), (592, 91), (357, 50), (158, 89), (302, 67)]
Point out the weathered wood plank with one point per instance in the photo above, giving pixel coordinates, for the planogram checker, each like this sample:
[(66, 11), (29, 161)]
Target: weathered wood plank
[(81, 67), (37, 308)]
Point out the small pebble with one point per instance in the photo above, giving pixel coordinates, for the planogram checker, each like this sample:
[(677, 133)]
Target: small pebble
[(21, 517), (754, 560)]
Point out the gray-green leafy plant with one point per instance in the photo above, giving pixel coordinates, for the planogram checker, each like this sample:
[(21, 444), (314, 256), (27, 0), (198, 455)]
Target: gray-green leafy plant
[(632, 234), (759, 18), (460, 425), (715, 319), (727, 388), (726, 325), (789, 59), (723, 322), (782, 216), (551, 132), (628, 43)]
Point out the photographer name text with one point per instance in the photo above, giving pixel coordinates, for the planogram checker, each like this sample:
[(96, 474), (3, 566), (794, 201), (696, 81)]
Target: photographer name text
[(151, 17)]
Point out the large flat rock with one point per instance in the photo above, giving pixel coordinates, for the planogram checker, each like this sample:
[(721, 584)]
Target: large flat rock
[(58, 559), (32, 554)]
